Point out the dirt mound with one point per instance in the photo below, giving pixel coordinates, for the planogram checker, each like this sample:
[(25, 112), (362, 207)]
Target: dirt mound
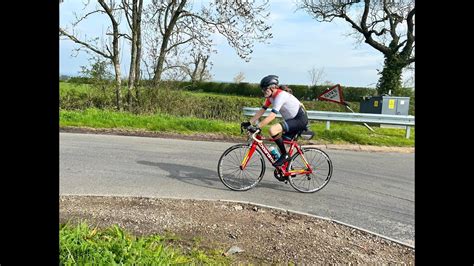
[(261, 235)]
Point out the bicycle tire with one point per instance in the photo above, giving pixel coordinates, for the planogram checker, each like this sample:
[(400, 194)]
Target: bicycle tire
[(321, 168), (241, 181)]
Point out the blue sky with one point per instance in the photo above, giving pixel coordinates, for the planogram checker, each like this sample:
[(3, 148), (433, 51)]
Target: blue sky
[(299, 44)]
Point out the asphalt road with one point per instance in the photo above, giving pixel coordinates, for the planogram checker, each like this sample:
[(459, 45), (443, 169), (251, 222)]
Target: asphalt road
[(371, 190)]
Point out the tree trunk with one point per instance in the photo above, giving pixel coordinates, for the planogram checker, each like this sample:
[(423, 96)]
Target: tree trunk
[(391, 74), (166, 38), (203, 69), (159, 67), (118, 84), (197, 61), (133, 56), (132, 74), (139, 49)]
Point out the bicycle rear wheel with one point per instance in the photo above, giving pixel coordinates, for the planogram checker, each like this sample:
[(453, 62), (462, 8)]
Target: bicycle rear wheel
[(322, 170), (228, 168)]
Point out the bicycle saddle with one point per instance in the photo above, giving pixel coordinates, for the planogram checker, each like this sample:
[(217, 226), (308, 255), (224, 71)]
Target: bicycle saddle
[(305, 134)]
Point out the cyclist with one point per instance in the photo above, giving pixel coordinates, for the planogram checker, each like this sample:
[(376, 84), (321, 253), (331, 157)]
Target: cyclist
[(284, 103)]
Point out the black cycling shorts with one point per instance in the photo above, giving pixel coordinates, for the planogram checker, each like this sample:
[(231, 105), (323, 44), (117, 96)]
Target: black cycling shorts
[(291, 127)]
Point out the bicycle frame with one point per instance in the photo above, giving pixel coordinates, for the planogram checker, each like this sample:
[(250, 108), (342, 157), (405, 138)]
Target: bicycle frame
[(258, 142)]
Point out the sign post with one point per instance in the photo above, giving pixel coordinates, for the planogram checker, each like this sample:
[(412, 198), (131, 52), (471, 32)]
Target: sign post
[(334, 94)]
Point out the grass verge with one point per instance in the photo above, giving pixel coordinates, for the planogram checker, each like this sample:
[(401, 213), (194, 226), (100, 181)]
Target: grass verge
[(83, 245), (339, 133)]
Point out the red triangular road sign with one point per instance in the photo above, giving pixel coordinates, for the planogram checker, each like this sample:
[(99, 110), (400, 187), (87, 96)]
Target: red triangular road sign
[(333, 94)]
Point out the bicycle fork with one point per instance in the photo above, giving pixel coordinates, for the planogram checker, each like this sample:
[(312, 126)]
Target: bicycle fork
[(247, 156)]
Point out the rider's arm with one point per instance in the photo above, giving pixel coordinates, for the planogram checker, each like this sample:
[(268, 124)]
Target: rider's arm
[(276, 109), (257, 116), (267, 120), (260, 112)]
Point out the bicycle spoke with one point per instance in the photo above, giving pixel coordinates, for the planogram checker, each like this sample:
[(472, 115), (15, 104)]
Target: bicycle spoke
[(244, 174), (254, 163), (233, 176), (235, 159), (232, 171), (240, 176), (320, 165)]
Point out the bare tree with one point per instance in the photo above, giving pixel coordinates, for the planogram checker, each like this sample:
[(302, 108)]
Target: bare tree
[(386, 25), (182, 62), (113, 13), (176, 61), (239, 77), (198, 68), (241, 22), (194, 60), (133, 14), (195, 68), (203, 69), (316, 75)]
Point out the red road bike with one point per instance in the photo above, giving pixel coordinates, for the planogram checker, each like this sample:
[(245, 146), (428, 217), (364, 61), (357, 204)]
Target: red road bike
[(241, 167)]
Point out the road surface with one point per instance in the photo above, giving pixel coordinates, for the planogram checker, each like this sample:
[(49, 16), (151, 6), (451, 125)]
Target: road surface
[(371, 190)]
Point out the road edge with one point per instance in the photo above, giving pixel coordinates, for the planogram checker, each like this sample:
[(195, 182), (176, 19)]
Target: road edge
[(224, 138)]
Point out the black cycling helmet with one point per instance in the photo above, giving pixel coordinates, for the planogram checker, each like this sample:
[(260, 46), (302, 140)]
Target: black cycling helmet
[(268, 80)]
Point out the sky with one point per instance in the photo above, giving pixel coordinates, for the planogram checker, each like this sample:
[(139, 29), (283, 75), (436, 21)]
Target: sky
[(299, 44)]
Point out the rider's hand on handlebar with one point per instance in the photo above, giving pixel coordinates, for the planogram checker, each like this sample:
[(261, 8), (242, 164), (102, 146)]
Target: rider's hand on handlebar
[(253, 129), (245, 124)]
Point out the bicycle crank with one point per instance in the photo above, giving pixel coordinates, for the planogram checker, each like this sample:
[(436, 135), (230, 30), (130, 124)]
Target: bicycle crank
[(279, 176)]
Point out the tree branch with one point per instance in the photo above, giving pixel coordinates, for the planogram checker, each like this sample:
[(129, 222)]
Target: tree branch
[(166, 14), (125, 35), (368, 38), (380, 33), (109, 11), (78, 20), (177, 44), (410, 37), (363, 22), (401, 44), (108, 49), (74, 39), (126, 9), (393, 24)]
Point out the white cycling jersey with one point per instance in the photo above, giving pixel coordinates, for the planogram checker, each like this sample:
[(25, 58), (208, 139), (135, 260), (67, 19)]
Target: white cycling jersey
[(284, 103)]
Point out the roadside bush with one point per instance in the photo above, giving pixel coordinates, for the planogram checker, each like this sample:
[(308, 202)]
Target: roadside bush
[(183, 99)]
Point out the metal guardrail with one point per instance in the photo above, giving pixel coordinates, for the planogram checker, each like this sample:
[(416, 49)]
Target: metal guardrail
[(402, 120)]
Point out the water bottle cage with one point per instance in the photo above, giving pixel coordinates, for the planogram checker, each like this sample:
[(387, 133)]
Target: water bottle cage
[(275, 153)]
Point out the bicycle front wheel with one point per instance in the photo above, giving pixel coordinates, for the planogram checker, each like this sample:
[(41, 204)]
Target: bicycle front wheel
[(322, 170), (228, 168)]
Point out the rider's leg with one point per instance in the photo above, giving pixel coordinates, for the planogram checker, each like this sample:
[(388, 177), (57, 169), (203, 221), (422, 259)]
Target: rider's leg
[(275, 131), (289, 126)]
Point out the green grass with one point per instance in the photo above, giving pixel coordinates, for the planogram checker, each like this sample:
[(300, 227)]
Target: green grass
[(96, 118), (64, 86), (81, 244), (343, 133), (339, 133)]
